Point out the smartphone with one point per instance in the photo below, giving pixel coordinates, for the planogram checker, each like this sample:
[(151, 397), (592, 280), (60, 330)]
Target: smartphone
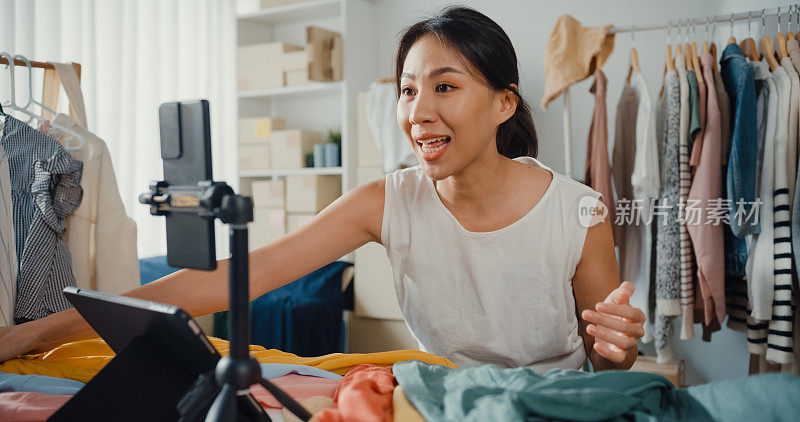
[(186, 153)]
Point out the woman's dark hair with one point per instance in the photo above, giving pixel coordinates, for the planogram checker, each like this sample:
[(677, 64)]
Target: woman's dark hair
[(488, 49)]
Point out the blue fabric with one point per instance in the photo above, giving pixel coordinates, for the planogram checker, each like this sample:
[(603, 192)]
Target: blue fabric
[(275, 370), (737, 76), (151, 269), (38, 384), (303, 317), (486, 392)]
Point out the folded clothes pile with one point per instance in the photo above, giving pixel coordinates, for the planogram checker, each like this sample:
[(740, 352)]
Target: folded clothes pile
[(414, 386)]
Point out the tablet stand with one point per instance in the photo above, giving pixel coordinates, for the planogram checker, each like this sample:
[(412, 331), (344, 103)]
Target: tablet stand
[(236, 372)]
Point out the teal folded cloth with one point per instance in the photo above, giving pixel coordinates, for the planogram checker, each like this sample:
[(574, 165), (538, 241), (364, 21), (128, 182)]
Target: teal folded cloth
[(277, 370), (482, 393), (38, 384)]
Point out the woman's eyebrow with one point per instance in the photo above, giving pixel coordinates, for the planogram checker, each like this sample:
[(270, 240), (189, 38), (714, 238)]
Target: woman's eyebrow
[(435, 72)]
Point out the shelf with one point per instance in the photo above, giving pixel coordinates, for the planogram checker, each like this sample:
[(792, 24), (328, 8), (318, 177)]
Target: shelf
[(308, 10), (312, 171), (288, 91)]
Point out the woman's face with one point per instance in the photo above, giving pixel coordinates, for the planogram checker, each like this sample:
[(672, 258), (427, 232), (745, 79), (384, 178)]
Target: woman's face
[(447, 112)]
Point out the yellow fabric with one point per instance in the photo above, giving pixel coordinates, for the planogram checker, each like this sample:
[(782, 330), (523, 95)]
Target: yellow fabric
[(571, 55), (81, 360), (404, 411)]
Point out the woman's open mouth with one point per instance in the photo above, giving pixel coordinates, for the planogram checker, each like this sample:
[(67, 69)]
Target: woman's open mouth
[(432, 149)]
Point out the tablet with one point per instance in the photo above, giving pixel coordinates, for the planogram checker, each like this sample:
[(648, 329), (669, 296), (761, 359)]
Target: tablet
[(120, 319)]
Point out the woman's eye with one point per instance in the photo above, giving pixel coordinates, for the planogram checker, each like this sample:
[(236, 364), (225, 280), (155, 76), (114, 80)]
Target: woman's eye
[(444, 87), (408, 91)]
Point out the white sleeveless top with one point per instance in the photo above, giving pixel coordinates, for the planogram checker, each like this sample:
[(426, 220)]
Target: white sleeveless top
[(502, 297)]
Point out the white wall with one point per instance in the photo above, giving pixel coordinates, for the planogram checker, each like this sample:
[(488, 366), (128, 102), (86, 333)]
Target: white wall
[(528, 24)]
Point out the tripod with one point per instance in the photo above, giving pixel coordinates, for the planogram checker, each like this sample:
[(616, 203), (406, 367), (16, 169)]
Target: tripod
[(236, 372)]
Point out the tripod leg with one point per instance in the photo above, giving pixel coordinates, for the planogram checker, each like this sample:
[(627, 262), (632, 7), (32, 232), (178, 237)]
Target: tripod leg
[(224, 406), (285, 400)]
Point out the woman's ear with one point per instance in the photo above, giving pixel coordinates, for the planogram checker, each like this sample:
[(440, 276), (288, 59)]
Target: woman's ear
[(508, 101)]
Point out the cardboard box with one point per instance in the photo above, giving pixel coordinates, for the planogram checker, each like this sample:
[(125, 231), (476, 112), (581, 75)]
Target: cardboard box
[(296, 77), (268, 194), (254, 156), (375, 295), (295, 60), (368, 335), (311, 193), (672, 370), (289, 147), (296, 220), (324, 54), (258, 129), (368, 153), (259, 66), (267, 226)]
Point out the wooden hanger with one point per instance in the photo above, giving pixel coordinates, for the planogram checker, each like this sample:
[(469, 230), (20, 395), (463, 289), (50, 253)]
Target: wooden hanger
[(633, 60), (767, 53), (732, 39), (696, 60), (789, 33), (712, 48), (748, 45), (780, 38)]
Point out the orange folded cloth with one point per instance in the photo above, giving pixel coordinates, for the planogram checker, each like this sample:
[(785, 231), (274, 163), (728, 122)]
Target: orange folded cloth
[(81, 360), (571, 55), (364, 394)]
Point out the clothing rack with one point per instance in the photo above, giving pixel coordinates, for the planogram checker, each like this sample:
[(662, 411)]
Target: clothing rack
[(753, 14), (40, 65)]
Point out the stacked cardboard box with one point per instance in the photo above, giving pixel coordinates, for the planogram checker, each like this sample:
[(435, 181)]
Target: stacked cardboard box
[(310, 194), (289, 147), (260, 66), (375, 296), (278, 64), (254, 142), (269, 214)]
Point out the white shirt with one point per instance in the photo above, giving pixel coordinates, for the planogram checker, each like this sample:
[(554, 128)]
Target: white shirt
[(502, 297)]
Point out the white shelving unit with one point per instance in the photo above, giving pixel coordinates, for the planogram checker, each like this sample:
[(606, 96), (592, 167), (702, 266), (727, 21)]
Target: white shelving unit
[(318, 106)]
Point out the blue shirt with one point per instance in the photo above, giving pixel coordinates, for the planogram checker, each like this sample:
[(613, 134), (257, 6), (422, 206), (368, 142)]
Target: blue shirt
[(737, 76)]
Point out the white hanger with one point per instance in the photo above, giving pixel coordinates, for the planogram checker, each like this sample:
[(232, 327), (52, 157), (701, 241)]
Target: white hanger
[(13, 102), (10, 67)]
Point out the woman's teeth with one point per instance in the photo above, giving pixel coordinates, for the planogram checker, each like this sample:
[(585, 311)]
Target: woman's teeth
[(429, 150), (430, 146)]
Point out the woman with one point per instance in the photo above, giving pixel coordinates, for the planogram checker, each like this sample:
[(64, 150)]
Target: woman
[(491, 259)]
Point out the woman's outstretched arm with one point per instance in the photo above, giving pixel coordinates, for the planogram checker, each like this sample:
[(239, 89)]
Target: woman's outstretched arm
[(349, 222)]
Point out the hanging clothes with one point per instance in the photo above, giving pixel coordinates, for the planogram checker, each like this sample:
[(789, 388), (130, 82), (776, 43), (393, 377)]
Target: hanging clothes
[(598, 167), (697, 139), (102, 238), (45, 191), (668, 248), (792, 139), (695, 124), (8, 253), (381, 113), (724, 115), (707, 237), (760, 262), (737, 76), (689, 127), (625, 227), (646, 183), (779, 339)]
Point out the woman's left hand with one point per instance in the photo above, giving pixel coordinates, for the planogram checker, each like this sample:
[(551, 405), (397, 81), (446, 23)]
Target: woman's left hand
[(616, 325)]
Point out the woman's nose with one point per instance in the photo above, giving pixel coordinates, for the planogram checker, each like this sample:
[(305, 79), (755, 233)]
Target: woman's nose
[(423, 110)]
